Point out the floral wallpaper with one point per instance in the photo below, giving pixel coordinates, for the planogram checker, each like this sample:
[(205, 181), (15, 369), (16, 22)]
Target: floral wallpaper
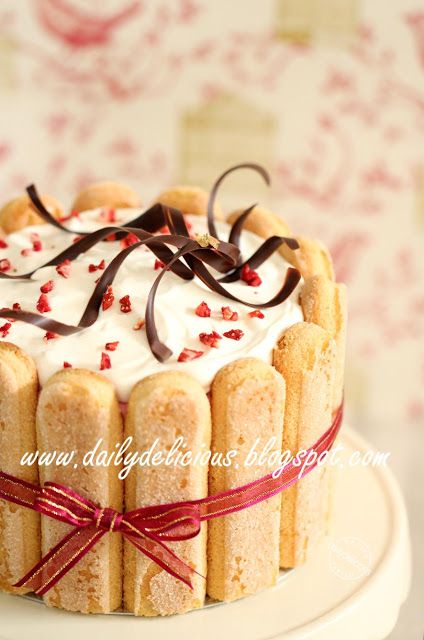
[(327, 94)]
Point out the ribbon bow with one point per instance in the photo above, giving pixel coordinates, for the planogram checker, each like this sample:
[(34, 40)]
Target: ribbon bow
[(147, 528)]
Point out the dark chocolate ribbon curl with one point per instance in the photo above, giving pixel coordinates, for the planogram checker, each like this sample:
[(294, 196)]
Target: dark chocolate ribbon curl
[(189, 260)]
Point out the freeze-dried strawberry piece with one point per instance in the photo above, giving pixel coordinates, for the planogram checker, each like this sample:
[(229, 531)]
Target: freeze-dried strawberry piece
[(111, 346), (64, 268), (129, 240), (5, 265), (108, 215), (250, 276), (47, 287), (4, 330), (257, 313), (43, 304), (229, 314), (125, 303), (26, 252), (203, 310), (234, 334), (36, 242), (105, 362), (16, 306), (96, 267), (210, 339), (67, 365), (139, 325), (108, 298), (159, 264), (189, 354), (3, 244), (49, 335)]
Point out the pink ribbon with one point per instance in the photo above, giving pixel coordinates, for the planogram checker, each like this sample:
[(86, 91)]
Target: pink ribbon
[(147, 528)]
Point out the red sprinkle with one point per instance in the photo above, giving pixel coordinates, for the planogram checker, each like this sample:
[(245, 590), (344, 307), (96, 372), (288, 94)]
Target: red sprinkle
[(125, 303), (111, 346), (108, 298), (139, 325), (234, 334), (64, 269), (50, 336), (94, 267), (105, 362), (46, 288), (159, 264), (250, 276), (210, 339), (3, 244), (43, 304), (203, 310), (4, 330), (129, 240), (5, 265), (16, 306), (229, 314), (67, 365), (189, 354), (256, 314)]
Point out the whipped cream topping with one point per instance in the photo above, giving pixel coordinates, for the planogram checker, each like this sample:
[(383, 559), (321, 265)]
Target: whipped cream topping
[(178, 325)]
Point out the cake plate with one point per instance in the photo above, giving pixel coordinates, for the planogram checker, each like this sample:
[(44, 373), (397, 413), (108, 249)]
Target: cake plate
[(352, 588)]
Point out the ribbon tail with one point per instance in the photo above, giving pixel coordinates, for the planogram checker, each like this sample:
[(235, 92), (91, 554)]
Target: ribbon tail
[(60, 559), (164, 557)]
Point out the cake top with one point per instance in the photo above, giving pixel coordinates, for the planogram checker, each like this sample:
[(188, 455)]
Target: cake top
[(189, 316)]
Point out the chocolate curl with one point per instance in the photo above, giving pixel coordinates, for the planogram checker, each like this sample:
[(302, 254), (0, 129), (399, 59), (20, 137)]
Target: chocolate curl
[(214, 190)]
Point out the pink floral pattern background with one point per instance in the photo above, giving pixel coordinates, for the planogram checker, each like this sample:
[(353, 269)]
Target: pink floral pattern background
[(110, 88)]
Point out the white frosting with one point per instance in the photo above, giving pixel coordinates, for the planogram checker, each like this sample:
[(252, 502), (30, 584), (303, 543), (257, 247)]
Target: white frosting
[(176, 300)]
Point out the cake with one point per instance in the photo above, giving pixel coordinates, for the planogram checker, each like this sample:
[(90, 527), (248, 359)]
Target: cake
[(160, 356)]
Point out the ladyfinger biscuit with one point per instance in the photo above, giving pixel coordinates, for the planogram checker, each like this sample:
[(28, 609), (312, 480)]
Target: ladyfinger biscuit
[(312, 258), (306, 357), (263, 222), (247, 410), (324, 303), (166, 406), (106, 194), (20, 212), (189, 200), (76, 410), (19, 527)]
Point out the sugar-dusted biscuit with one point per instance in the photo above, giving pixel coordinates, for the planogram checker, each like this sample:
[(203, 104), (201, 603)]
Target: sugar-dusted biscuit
[(166, 406), (106, 194), (20, 212), (324, 303), (312, 258), (306, 357), (262, 222), (77, 409), (19, 527), (243, 549), (189, 200)]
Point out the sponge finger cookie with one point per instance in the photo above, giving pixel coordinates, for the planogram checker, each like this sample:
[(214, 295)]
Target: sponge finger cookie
[(20, 212), (247, 405), (311, 258), (306, 357), (324, 303), (106, 194), (165, 407), (189, 200), (19, 527), (76, 409)]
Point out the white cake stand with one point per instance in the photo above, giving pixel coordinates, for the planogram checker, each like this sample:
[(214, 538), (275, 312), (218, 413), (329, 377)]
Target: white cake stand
[(351, 589)]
